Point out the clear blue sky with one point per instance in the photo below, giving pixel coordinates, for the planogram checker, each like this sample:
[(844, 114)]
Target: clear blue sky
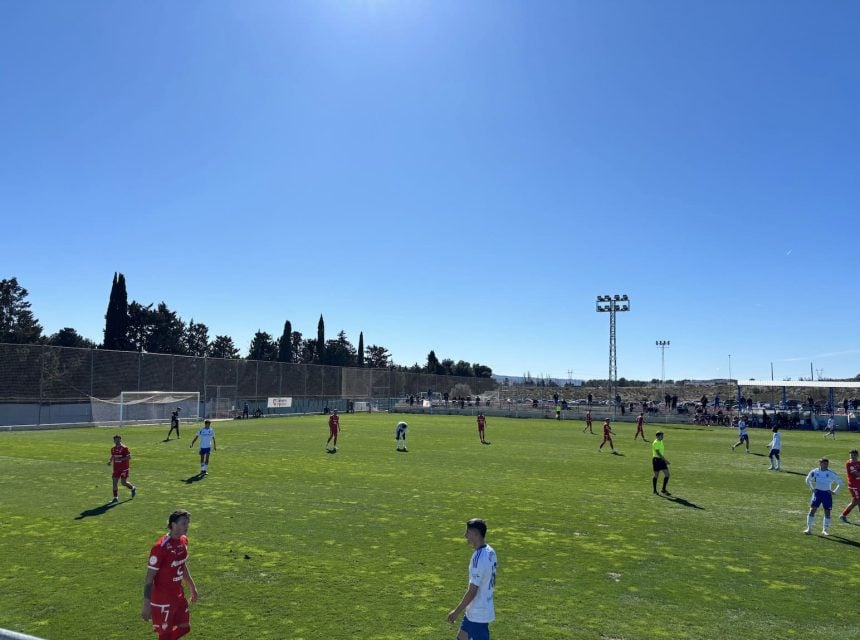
[(459, 176)]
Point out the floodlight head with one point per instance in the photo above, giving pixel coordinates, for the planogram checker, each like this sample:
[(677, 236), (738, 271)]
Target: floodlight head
[(625, 308), (617, 297)]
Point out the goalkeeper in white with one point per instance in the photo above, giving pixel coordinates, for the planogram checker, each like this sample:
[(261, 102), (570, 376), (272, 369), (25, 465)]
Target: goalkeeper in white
[(820, 481)]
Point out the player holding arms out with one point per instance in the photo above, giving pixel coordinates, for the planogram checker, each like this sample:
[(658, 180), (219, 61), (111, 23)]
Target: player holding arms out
[(852, 474), (607, 436), (207, 444), (120, 456), (775, 446), (400, 436), (482, 424), (820, 481), (639, 421), (333, 428), (477, 602), (163, 596)]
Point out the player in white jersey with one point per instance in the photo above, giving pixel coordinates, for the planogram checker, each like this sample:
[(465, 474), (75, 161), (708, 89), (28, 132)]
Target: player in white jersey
[(207, 444), (477, 602), (775, 446), (820, 481), (830, 428), (400, 436), (743, 437)]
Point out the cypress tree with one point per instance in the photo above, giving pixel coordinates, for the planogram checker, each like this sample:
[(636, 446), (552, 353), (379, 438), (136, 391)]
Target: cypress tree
[(285, 346), (359, 360), (321, 341), (116, 318)]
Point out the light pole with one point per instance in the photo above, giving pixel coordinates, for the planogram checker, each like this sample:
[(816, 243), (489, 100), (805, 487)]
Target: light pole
[(662, 345), (612, 305)]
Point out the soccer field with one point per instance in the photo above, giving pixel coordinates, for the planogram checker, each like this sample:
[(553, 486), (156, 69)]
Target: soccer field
[(288, 542)]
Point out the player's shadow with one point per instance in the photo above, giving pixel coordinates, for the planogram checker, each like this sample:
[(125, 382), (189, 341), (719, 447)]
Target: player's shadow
[(760, 455), (841, 540), (194, 479), (683, 502), (793, 473), (617, 453), (98, 511)]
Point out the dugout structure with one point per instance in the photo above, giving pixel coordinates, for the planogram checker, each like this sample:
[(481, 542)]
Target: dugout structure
[(811, 401)]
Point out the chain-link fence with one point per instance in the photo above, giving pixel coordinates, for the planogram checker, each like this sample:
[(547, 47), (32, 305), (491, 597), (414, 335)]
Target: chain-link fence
[(50, 385)]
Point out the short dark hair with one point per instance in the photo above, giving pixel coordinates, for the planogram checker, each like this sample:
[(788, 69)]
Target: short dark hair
[(823, 460), (478, 525), (659, 433), (854, 451), (176, 515)]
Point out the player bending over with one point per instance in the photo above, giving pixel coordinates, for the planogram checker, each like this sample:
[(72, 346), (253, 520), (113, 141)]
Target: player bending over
[(400, 436)]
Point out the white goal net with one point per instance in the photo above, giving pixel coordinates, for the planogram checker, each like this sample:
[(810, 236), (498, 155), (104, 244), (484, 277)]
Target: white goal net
[(146, 407)]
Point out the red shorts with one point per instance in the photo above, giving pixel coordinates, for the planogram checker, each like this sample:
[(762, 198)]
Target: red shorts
[(167, 616), (855, 493), (120, 474)]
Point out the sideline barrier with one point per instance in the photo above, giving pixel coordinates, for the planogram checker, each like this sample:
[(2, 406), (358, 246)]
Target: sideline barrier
[(5, 634)]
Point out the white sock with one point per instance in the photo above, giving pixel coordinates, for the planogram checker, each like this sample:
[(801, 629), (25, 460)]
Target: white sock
[(810, 520), (826, 523)]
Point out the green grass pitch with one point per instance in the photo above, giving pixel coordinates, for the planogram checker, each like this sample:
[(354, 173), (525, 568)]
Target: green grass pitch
[(288, 542)]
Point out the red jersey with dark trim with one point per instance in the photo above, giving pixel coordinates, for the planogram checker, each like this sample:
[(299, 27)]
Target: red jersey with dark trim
[(482, 422), (606, 430), (850, 467), (334, 422), (168, 557), (639, 422), (117, 454)]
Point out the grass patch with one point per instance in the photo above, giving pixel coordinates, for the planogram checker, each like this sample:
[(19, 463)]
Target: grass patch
[(289, 542)]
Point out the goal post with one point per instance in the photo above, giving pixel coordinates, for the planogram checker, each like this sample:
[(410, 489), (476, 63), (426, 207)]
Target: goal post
[(140, 407)]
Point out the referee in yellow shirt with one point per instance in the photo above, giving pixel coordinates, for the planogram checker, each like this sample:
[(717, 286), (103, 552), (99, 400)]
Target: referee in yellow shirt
[(659, 463)]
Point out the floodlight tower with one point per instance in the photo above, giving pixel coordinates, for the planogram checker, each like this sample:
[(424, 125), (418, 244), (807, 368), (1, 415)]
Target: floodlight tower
[(662, 345), (612, 305)]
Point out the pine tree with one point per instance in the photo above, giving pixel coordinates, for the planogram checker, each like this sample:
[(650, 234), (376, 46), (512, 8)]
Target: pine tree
[(17, 323), (359, 357)]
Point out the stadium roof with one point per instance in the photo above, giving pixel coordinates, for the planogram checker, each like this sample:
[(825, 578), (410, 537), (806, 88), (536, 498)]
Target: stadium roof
[(809, 384)]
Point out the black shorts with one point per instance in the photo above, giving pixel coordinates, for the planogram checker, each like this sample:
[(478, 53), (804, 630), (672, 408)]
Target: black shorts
[(659, 464)]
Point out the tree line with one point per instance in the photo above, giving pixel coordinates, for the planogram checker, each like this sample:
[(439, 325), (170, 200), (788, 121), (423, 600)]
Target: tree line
[(150, 328)]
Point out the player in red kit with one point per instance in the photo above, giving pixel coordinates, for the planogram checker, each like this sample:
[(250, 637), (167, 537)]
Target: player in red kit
[(588, 423), (607, 436), (482, 424), (852, 471), (639, 421), (163, 596), (333, 428), (120, 457)]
